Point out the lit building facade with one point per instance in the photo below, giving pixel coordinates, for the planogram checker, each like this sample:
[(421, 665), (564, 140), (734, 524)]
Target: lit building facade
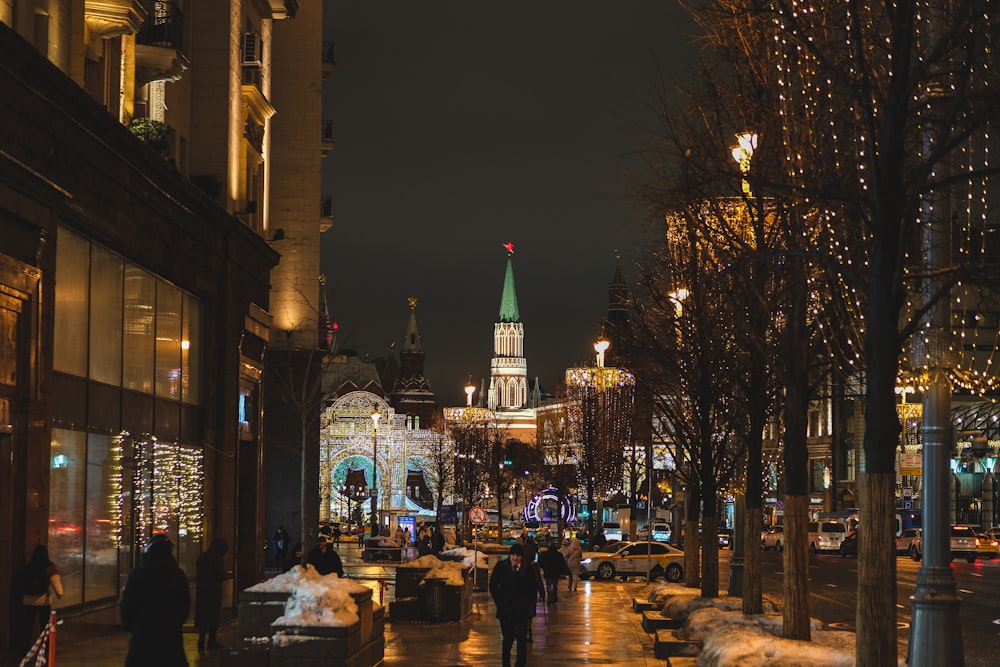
[(134, 284)]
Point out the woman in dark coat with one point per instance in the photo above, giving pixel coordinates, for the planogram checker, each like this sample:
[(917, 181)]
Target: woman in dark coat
[(155, 604), (208, 604)]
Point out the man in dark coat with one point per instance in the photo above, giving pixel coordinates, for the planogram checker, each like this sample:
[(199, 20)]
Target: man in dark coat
[(554, 568), (281, 545), (437, 541), (208, 604), (155, 604), (513, 586), (325, 559)]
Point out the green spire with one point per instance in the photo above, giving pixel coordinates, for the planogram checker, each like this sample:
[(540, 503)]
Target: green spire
[(508, 301)]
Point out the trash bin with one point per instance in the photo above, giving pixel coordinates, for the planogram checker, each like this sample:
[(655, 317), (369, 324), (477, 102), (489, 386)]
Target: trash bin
[(434, 600)]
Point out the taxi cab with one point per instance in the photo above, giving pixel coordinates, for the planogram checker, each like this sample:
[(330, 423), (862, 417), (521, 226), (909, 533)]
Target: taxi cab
[(630, 559)]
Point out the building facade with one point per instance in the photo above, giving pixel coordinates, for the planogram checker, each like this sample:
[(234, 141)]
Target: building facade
[(134, 284)]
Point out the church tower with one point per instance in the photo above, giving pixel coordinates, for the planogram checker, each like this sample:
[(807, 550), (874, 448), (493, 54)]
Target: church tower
[(411, 393), (508, 368)]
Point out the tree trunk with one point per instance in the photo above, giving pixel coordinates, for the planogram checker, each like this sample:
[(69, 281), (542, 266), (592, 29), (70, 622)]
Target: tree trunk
[(877, 572), (710, 555), (794, 588), (753, 586), (692, 575)]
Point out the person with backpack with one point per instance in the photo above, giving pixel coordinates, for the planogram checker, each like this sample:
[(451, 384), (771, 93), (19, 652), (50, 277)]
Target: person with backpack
[(39, 580)]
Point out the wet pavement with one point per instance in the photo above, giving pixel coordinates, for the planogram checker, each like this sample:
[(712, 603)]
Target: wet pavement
[(594, 625)]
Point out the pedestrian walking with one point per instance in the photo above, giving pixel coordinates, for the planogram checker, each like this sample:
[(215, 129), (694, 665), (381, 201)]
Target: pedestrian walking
[(437, 541), (39, 579), (280, 542), (530, 549), (573, 553), (336, 534), (325, 559), (155, 604), (514, 587), (554, 568), (211, 572)]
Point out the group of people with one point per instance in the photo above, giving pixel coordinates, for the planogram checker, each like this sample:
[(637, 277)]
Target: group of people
[(518, 581)]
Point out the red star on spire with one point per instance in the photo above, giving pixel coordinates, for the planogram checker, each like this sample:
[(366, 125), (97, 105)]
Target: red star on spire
[(510, 248)]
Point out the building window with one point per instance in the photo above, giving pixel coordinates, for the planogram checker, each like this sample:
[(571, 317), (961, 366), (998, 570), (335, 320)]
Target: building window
[(120, 325)]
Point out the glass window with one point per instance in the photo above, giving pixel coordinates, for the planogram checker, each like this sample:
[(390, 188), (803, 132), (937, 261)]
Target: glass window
[(66, 511), (101, 555), (105, 317), (69, 353), (168, 341), (191, 350), (137, 343)]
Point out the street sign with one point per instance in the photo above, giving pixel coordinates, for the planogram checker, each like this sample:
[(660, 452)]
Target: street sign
[(477, 514)]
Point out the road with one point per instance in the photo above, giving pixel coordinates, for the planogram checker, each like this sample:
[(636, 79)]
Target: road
[(832, 592)]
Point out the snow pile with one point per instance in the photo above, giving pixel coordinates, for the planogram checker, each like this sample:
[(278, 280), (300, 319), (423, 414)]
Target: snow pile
[(469, 557), (314, 599), (732, 639), (453, 572)]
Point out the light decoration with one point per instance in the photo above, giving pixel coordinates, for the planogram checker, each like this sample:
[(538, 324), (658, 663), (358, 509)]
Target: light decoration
[(818, 117), (345, 440), (165, 488)]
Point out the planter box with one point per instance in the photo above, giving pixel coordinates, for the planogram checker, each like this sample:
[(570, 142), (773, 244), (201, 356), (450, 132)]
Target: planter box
[(338, 643), (245, 654), (312, 651), (441, 603), (408, 581), (255, 618)]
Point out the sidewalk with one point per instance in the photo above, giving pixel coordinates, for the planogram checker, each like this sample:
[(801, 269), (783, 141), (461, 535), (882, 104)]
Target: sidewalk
[(593, 625)]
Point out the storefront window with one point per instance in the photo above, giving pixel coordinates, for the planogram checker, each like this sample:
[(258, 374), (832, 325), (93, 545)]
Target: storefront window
[(66, 511), (72, 265), (168, 341), (101, 553), (105, 317)]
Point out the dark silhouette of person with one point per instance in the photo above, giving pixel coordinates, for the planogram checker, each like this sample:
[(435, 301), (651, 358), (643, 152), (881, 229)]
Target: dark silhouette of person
[(514, 584), (324, 558), (280, 542), (38, 580), (437, 541), (155, 604), (296, 558), (554, 568), (208, 603)]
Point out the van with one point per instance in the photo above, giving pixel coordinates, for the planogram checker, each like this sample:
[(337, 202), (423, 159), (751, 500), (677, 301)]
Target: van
[(826, 535)]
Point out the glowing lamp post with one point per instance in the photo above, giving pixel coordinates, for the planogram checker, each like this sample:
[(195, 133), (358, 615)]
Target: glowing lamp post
[(374, 492), (470, 389), (601, 347)]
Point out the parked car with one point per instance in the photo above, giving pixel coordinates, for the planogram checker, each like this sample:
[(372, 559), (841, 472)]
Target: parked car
[(905, 539), (653, 559), (989, 547), (964, 544), (612, 530), (826, 535), (661, 532), (725, 537), (773, 539), (849, 545)]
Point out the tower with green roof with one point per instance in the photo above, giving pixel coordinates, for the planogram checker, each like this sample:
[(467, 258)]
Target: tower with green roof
[(508, 368)]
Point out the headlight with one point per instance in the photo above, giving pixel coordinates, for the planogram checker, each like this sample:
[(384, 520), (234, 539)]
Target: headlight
[(585, 561)]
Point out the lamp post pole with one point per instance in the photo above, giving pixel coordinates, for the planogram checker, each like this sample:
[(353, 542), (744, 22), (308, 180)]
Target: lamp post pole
[(374, 491)]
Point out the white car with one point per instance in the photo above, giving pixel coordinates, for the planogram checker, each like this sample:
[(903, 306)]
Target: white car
[(661, 532), (773, 539), (653, 559)]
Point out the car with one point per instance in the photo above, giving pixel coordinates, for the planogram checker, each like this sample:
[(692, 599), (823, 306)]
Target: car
[(963, 542), (725, 537), (612, 531), (849, 545), (825, 535), (988, 547), (661, 532), (773, 539), (652, 559), (905, 539)]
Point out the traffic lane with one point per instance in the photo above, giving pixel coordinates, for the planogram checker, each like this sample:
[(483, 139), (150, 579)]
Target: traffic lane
[(833, 598)]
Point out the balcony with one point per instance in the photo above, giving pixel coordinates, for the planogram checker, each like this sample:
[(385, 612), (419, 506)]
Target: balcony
[(328, 62), (327, 136), (325, 213), (159, 45)]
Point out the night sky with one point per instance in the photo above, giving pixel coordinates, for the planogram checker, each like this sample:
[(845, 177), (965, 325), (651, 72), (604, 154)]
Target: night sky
[(462, 125)]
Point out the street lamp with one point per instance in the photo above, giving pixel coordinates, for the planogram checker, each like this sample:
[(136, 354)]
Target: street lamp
[(600, 347), (470, 389), (374, 492)]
